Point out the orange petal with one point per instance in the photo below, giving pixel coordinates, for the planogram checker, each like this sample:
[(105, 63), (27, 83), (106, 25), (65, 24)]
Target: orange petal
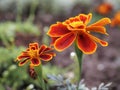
[(98, 29), (45, 57), (85, 18), (65, 41), (102, 22), (86, 44), (22, 56), (74, 25), (35, 61), (33, 46), (103, 43), (23, 62), (42, 48), (49, 50), (72, 19), (57, 30), (53, 40)]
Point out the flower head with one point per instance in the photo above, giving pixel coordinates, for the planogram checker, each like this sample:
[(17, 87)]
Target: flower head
[(104, 8), (76, 29), (116, 19), (34, 54)]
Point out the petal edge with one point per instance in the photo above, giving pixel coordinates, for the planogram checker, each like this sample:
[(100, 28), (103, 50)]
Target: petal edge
[(65, 41), (86, 44)]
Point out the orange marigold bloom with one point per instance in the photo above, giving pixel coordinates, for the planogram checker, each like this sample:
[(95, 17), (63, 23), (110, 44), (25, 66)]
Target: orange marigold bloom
[(116, 19), (35, 54), (104, 8), (75, 29)]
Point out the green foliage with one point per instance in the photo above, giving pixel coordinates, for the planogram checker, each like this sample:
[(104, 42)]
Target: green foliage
[(1, 87), (51, 69), (12, 76), (66, 84), (27, 27), (9, 54), (9, 71), (8, 30)]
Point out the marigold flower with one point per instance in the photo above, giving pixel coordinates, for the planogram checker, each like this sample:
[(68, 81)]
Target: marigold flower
[(116, 19), (104, 8), (63, 34), (34, 54)]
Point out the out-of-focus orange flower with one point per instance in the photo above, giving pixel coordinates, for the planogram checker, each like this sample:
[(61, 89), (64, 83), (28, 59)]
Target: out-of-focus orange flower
[(34, 54), (63, 34), (104, 8), (116, 19)]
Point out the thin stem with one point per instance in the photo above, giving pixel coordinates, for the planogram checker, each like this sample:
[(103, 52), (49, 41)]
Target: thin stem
[(32, 10), (79, 57), (19, 12), (38, 70)]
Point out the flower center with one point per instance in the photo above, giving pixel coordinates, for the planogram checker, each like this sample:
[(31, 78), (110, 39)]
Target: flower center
[(78, 25), (33, 53)]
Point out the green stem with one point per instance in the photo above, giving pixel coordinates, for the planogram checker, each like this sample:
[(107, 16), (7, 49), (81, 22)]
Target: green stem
[(38, 70), (79, 57), (32, 10), (19, 12)]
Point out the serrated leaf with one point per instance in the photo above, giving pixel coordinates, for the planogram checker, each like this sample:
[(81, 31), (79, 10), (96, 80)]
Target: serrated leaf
[(101, 85)]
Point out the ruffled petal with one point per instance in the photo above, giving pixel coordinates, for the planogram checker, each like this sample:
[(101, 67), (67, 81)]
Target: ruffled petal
[(85, 43), (103, 43), (33, 46), (72, 19), (57, 30), (35, 61), (102, 22), (23, 56), (85, 18), (76, 26), (49, 51), (46, 57), (98, 29), (42, 48), (23, 62), (65, 41)]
